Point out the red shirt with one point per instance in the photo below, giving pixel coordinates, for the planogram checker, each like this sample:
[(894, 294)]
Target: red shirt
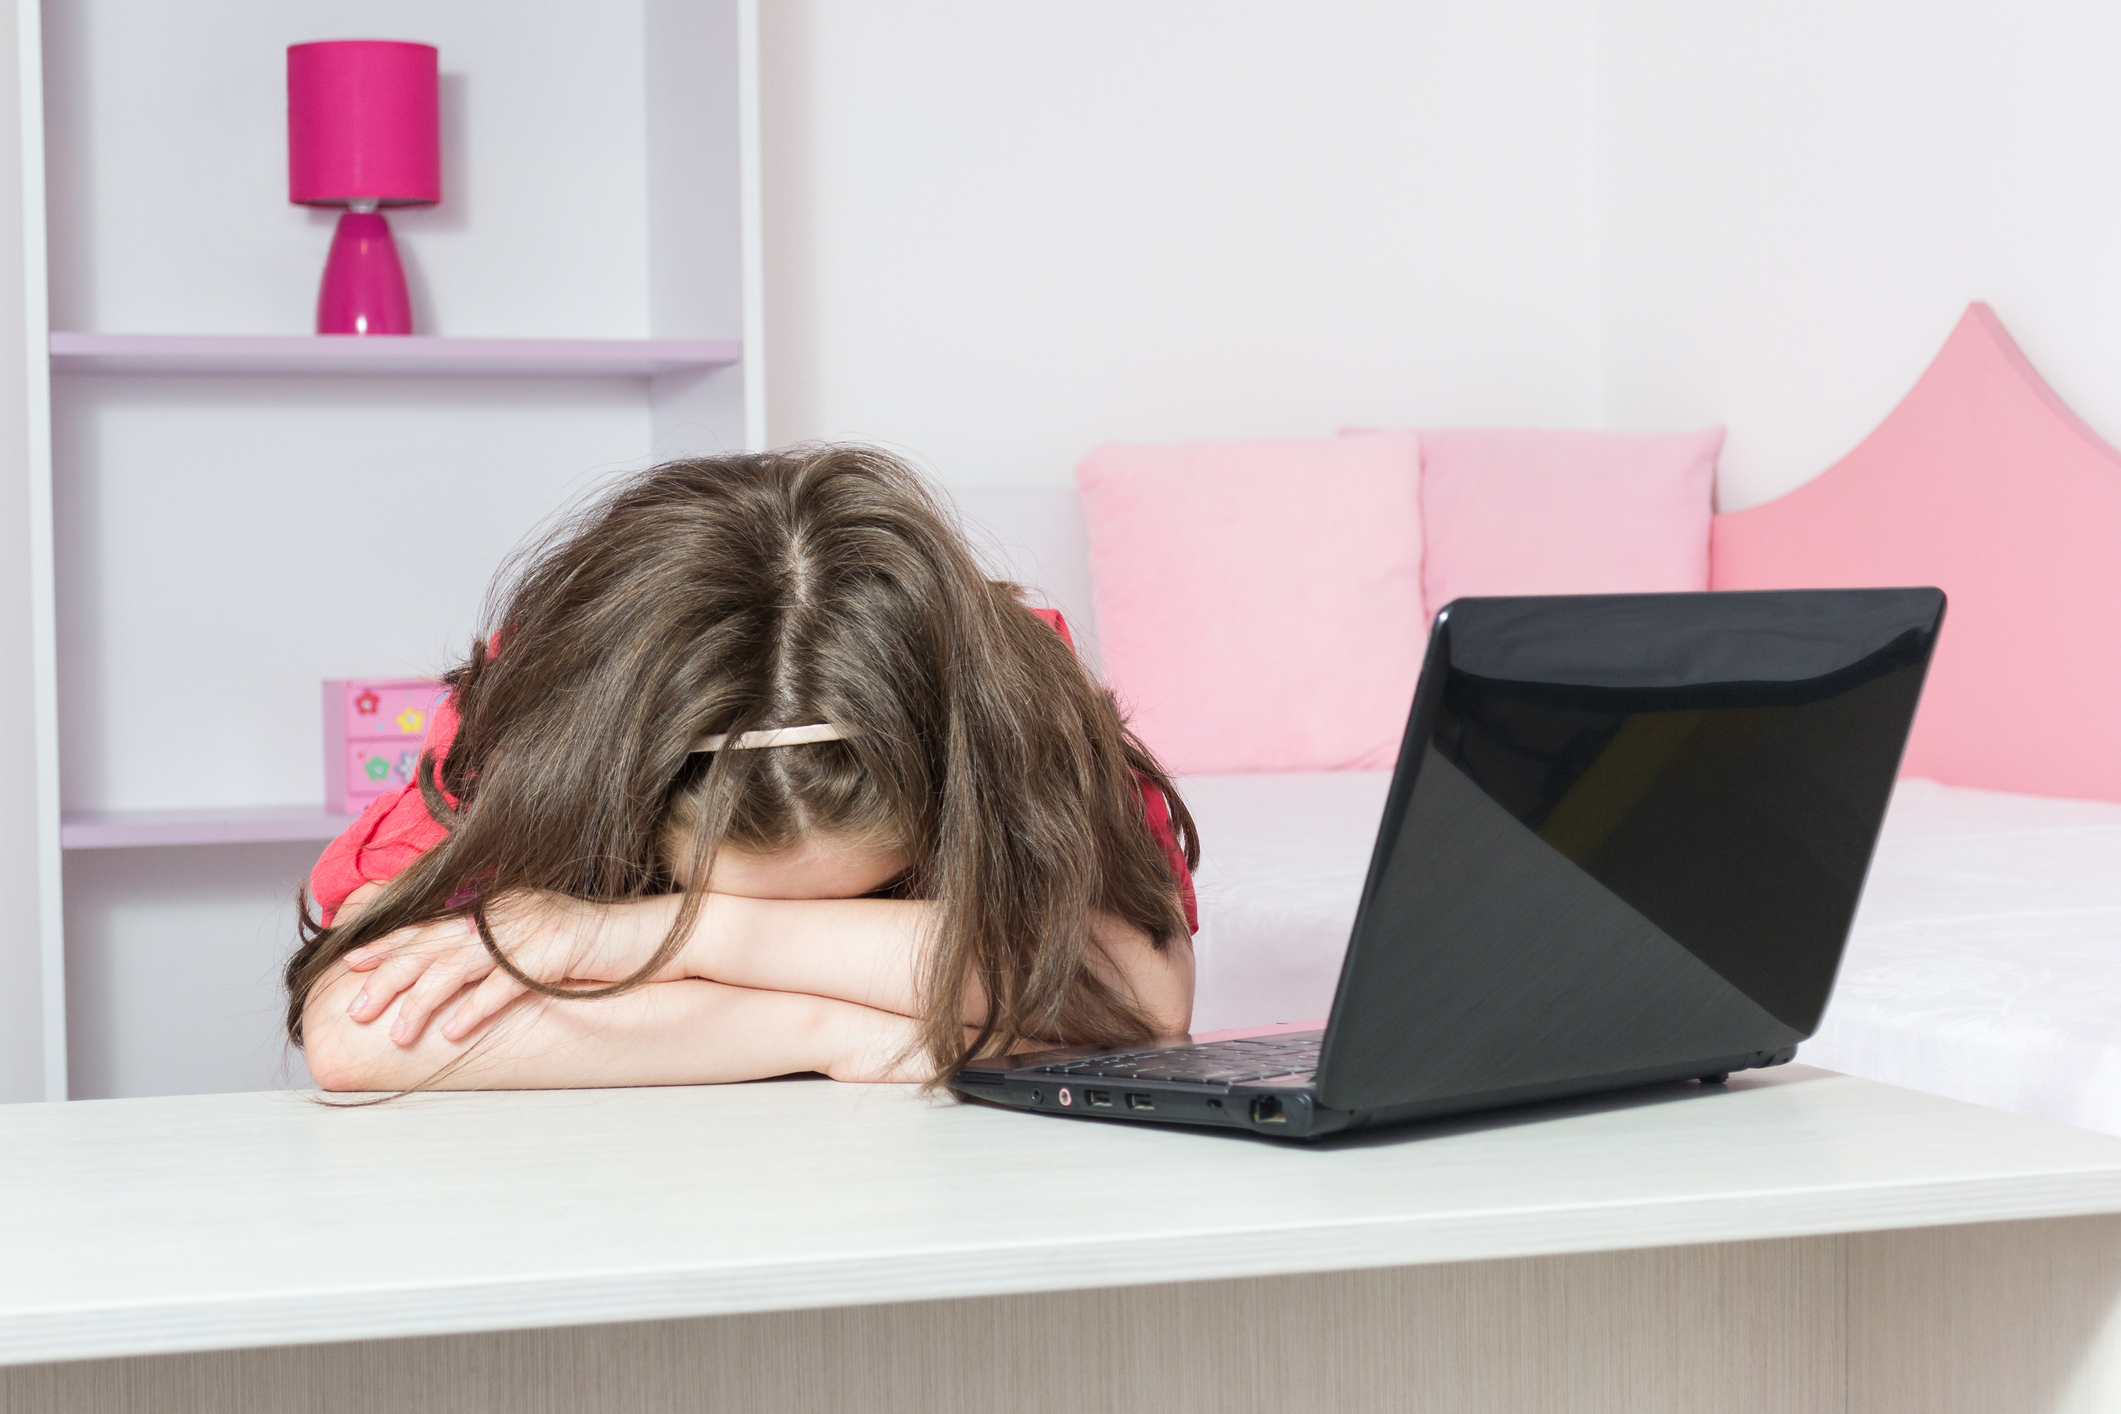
[(396, 829)]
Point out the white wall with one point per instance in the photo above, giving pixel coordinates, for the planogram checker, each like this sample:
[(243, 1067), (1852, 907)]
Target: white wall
[(999, 234), (1799, 198), (173, 961)]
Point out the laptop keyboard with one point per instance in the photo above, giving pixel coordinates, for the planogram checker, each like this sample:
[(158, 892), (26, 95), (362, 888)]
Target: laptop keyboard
[(1216, 1063)]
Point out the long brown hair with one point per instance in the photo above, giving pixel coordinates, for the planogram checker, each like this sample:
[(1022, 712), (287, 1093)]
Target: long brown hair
[(816, 584)]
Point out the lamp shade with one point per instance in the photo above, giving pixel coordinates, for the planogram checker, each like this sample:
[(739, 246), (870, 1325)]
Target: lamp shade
[(363, 123)]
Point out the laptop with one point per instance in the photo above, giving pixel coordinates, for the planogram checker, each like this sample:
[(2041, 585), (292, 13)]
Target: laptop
[(1623, 845)]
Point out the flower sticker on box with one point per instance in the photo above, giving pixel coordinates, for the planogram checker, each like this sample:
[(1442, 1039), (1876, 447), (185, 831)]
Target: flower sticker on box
[(373, 728)]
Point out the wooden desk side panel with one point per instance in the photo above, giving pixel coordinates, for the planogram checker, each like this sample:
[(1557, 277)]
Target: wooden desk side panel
[(1732, 1328), (1987, 1318)]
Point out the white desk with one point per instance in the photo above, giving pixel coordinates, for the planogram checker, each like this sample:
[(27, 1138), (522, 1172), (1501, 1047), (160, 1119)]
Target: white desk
[(1797, 1241)]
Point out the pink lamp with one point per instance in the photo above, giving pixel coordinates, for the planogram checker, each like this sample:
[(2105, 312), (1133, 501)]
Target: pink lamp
[(363, 132)]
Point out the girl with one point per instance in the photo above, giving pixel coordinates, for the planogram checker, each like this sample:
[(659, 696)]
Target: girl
[(755, 773)]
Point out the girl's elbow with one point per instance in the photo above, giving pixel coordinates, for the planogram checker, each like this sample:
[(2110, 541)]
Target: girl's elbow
[(342, 1054), (334, 1064)]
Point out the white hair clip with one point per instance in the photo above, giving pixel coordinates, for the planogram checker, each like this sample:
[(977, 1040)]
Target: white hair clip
[(774, 736)]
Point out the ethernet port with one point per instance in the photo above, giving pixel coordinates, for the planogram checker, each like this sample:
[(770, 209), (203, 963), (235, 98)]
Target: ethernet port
[(1267, 1110)]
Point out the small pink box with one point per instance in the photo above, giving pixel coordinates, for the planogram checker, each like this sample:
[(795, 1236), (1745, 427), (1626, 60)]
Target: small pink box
[(373, 730), (373, 767)]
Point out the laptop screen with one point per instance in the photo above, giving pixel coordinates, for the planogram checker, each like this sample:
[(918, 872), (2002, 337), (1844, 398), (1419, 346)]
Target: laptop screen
[(1651, 812)]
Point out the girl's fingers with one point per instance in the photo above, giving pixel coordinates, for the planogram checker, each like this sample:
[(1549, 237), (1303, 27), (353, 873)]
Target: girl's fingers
[(435, 987), (401, 959), (422, 968), (485, 1001), (391, 976)]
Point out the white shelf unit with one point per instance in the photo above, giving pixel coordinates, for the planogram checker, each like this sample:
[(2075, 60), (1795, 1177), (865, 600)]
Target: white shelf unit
[(238, 824), (415, 355), (224, 509)]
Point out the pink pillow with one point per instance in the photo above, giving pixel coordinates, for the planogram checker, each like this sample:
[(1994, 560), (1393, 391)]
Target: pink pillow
[(1525, 512), (1259, 604)]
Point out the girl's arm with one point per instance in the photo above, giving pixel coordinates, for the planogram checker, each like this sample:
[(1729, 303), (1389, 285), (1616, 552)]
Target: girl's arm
[(678, 1033), (864, 951), (868, 950)]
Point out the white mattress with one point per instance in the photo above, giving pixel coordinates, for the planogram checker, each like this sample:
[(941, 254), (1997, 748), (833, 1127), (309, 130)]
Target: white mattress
[(1985, 963), (1986, 959)]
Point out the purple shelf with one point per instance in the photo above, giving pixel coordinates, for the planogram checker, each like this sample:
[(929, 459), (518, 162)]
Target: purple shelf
[(248, 824), (381, 356)]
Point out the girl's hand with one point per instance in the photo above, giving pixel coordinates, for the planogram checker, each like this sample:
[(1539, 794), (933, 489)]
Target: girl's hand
[(550, 937), (427, 965)]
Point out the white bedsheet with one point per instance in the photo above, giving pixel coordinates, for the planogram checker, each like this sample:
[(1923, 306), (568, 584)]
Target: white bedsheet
[(1986, 958), (1985, 962)]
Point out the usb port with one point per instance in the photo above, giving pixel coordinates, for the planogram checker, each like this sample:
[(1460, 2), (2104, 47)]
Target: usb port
[(1140, 1102), (1100, 1099)]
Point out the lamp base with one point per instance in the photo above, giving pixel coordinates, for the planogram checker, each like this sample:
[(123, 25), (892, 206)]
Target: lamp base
[(364, 285)]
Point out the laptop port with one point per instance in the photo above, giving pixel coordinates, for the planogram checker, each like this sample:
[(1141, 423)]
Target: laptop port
[(1100, 1099), (1267, 1110), (1141, 1102)]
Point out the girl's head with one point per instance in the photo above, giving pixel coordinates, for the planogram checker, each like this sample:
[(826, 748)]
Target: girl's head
[(977, 765)]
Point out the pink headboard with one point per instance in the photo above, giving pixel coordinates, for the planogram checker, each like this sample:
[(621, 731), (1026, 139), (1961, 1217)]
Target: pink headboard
[(1983, 483)]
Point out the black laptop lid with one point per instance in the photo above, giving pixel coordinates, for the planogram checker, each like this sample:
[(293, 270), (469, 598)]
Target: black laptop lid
[(1626, 832)]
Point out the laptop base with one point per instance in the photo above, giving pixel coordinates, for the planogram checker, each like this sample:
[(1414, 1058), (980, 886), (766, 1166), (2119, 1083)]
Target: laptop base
[(1291, 1111)]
